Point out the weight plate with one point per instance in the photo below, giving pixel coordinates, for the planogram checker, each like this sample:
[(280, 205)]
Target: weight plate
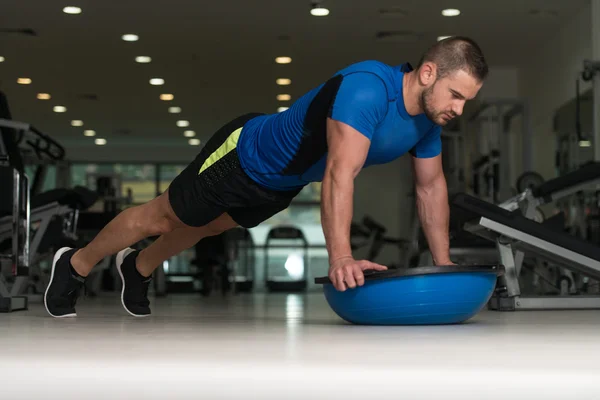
[(539, 215), (529, 180)]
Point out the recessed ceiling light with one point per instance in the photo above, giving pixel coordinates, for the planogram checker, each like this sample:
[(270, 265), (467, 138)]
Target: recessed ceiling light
[(183, 124), (100, 141), (130, 37), (194, 142), (157, 81), (284, 81), (24, 81), (189, 133), (89, 133), (166, 97), (284, 97), (43, 96), (174, 110), (77, 122), (283, 60), (143, 59), (450, 12), (442, 37), (72, 10), (319, 11), (2, 59), (585, 143), (60, 109), (282, 109)]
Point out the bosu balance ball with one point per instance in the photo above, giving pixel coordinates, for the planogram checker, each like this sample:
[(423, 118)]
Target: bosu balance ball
[(415, 296)]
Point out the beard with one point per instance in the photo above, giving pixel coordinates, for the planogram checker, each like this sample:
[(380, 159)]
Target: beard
[(426, 100), (426, 105)]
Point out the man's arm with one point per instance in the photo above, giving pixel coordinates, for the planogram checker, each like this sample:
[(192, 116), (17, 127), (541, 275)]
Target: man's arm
[(432, 206), (347, 152)]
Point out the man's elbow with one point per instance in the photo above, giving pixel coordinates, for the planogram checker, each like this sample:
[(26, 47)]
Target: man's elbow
[(341, 171), (432, 185)]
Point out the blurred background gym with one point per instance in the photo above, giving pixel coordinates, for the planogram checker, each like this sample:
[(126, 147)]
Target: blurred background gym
[(102, 104)]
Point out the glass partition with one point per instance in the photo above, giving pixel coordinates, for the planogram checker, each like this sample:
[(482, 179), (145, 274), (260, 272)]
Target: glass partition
[(168, 172), (140, 179)]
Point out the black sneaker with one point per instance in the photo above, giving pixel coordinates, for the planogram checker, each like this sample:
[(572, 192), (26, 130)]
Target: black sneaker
[(134, 294), (64, 287)]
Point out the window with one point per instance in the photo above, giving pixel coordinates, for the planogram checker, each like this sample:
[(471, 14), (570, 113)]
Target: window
[(49, 178), (139, 179), (168, 172)]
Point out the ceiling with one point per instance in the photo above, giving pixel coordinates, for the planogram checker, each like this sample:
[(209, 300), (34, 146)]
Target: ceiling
[(217, 58)]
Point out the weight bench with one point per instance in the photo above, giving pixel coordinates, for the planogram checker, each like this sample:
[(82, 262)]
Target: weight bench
[(554, 190), (512, 231), (530, 200), (466, 250)]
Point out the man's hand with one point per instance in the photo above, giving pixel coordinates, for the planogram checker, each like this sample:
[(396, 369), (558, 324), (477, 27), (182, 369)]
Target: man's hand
[(348, 272)]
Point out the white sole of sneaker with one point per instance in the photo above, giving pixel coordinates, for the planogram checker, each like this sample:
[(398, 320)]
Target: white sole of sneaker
[(120, 257), (57, 256)]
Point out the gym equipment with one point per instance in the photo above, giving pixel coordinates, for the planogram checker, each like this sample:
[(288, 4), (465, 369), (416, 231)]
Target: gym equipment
[(486, 175), (555, 189), (453, 149), (496, 117), (514, 232), (529, 180), (31, 227), (415, 296), (289, 242), (530, 201), (589, 73), (108, 186), (212, 264), (466, 248), (240, 251), (372, 234)]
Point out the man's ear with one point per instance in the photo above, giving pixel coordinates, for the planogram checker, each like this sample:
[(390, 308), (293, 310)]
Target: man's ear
[(427, 73)]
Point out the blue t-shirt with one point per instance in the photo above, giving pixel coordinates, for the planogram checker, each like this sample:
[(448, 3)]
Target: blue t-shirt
[(288, 150)]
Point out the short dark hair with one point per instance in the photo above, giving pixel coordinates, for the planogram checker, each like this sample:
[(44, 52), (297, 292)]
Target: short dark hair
[(456, 53)]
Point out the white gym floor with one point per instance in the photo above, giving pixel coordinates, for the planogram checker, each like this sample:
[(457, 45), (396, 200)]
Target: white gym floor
[(280, 346)]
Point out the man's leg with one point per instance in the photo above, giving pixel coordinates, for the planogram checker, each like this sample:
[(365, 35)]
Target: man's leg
[(176, 241), (130, 226), (71, 266), (135, 267)]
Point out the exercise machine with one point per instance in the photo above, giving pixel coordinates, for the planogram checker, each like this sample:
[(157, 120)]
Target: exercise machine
[(241, 259), (486, 176), (567, 188), (511, 231), (371, 235), (453, 149), (493, 121), (286, 242), (30, 227)]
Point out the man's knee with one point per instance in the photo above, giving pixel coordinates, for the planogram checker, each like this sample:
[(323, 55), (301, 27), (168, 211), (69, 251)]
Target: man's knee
[(156, 217), (220, 225), (161, 226)]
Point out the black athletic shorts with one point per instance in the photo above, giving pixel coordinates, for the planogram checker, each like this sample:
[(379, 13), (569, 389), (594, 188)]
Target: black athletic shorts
[(214, 183)]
